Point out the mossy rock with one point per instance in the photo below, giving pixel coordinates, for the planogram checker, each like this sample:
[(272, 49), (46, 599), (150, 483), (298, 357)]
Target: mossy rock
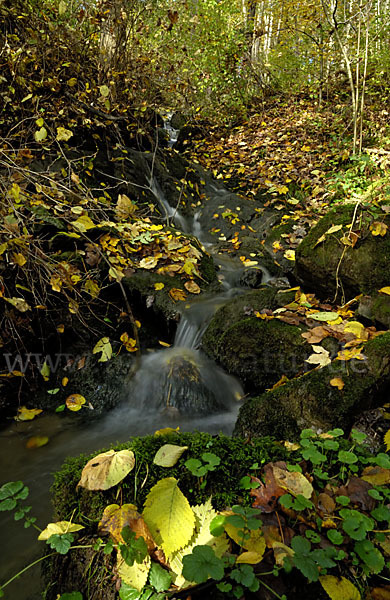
[(310, 400), (330, 265), (86, 507), (256, 351), (376, 308)]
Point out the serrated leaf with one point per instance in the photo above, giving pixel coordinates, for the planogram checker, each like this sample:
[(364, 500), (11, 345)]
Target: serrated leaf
[(159, 578), (339, 588), (136, 575), (204, 514), (58, 528), (107, 469), (169, 516), (168, 455)]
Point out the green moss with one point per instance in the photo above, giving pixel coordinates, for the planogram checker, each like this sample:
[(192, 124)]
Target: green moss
[(259, 352), (223, 483), (310, 400), (363, 268)]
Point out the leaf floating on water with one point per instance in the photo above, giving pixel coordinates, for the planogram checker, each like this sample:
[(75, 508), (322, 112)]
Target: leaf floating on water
[(27, 414), (74, 402), (37, 441), (58, 528), (168, 455), (107, 469)]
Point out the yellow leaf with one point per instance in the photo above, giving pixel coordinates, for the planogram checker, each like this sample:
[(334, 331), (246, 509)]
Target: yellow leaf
[(165, 344), (294, 482), (168, 455), (387, 440), (27, 414), (339, 588), (124, 207), (356, 328), (169, 516), (281, 551), (116, 517), (320, 357), (75, 401), (91, 286), (136, 576), (19, 259), (19, 303), (56, 283), (63, 135), (65, 381), (105, 348), (349, 354), (72, 82), (159, 286), (61, 328), (106, 470), (40, 134), (204, 514), (337, 382), (37, 441), (58, 528), (116, 274), (378, 228), (385, 290), (166, 430), (277, 246), (45, 371), (148, 263), (256, 541), (289, 254), (320, 240), (333, 229), (192, 287), (73, 307), (176, 294), (83, 223), (129, 343), (376, 475)]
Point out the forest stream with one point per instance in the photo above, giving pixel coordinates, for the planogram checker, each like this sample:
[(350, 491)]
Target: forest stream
[(162, 376)]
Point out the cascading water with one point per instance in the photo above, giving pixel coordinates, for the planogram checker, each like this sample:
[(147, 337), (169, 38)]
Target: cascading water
[(178, 386)]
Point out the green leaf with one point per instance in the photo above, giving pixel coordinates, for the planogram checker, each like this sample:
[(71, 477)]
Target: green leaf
[(347, 457), (382, 460), (335, 536), (71, 596), (307, 567), (127, 592), (202, 564), (159, 578), (60, 543), (370, 555), (358, 436), (217, 525), (8, 504), (381, 513), (300, 545), (40, 134), (356, 524)]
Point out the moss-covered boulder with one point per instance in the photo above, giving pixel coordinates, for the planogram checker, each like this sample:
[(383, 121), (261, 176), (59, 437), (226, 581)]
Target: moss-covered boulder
[(91, 573), (257, 351), (376, 308), (311, 401), (325, 263)]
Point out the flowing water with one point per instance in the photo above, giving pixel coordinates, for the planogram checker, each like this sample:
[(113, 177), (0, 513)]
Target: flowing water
[(181, 376)]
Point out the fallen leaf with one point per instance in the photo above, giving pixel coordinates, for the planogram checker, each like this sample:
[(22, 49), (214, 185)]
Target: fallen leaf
[(105, 348), (289, 254), (168, 455), (19, 303), (159, 286), (339, 588), (27, 414), (249, 558), (295, 483), (328, 317), (387, 440), (176, 294), (320, 357), (385, 290), (58, 528), (376, 475), (337, 382), (166, 430), (378, 228), (192, 287), (74, 402), (116, 517), (106, 469)]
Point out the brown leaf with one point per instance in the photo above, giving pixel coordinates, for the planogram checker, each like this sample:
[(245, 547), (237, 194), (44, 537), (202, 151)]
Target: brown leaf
[(357, 490), (266, 496), (115, 518)]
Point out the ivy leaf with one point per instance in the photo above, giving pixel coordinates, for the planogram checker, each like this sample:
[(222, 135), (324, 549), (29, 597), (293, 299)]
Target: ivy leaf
[(202, 564), (159, 578), (370, 555)]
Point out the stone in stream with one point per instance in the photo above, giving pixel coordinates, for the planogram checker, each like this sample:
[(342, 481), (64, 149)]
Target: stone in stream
[(257, 351), (310, 400), (181, 380)]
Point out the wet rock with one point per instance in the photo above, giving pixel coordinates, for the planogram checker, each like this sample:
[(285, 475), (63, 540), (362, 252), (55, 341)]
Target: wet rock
[(257, 351), (310, 400), (178, 120), (376, 308), (326, 266)]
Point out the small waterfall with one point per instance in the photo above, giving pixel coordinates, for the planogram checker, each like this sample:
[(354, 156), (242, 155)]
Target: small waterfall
[(170, 212), (173, 133)]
